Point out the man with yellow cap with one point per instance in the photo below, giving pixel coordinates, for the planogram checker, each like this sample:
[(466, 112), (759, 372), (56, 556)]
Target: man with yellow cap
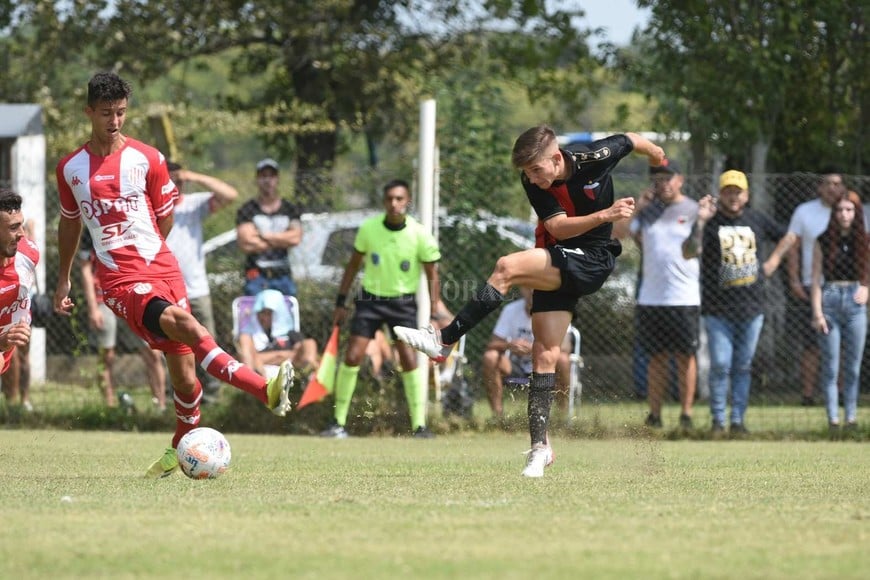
[(728, 237)]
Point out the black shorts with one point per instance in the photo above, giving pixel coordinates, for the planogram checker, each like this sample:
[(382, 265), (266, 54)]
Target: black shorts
[(668, 328), (372, 312), (584, 271)]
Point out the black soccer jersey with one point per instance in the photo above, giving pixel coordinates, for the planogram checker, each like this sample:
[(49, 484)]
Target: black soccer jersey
[(589, 189)]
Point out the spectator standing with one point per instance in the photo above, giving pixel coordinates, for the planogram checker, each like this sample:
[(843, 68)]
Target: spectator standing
[(18, 259), (393, 249), (267, 227), (728, 237), (669, 299), (839, 302), (120, 188), (509, 353), (185, 241), (103, 322), (572, 194), (807, 223), (267, 339)]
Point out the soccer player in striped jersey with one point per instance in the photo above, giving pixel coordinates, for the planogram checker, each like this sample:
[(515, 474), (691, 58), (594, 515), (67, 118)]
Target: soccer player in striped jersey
[(119, 188)]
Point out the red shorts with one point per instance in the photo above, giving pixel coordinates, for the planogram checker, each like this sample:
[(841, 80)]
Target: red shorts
[(129, 302)]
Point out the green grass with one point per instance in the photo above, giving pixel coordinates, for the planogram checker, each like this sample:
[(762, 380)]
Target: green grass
[(456, 506)]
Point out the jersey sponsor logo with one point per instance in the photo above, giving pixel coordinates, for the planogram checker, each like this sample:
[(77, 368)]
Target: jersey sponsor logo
[(142, 288), (113, 232), (7, 288), (101, 207), (99, 178), (590, 156), (76, 181), (20, 304)]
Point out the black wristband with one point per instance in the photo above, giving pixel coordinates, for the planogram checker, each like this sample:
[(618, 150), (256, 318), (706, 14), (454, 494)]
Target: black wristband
[(340, 300)]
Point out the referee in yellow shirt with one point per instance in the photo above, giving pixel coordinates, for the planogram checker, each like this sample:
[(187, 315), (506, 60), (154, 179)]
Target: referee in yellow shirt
[(392, 249)]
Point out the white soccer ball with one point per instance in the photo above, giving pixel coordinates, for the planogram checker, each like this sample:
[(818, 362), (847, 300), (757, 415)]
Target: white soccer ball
[(203, 453)]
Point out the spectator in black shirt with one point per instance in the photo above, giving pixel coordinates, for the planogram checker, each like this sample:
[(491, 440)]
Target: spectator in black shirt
[(839, 301), (266, 228), (728, 238)]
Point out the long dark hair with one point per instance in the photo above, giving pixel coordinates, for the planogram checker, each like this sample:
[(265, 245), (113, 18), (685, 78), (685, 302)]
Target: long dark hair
[(857, 232)]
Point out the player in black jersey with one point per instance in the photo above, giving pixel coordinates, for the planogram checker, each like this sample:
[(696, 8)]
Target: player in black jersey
[(572, 194)]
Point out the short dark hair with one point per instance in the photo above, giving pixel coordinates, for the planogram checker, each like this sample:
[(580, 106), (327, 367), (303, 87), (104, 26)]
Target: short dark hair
[(397, 183), (172, 166), (532, 145), (9, 200), (107, 87)]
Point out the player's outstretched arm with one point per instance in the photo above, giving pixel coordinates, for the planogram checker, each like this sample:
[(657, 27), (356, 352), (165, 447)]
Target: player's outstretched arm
[(643, 146)]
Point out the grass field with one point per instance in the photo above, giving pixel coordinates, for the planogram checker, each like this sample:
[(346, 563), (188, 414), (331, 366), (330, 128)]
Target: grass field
[(74, 505)]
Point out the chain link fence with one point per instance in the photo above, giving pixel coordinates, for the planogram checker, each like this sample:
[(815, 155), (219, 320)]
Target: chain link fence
[(612, 379)]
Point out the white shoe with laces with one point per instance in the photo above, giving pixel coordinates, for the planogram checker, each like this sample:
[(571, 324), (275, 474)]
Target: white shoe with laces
[(426, 340), (539, 457)]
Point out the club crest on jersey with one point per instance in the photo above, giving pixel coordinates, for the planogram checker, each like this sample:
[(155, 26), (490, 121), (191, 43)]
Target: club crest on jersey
[(136, 175), (142, 288), (589, 190)]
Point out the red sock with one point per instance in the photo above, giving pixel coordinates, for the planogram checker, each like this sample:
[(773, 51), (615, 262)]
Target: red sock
[(222, 366), (186, 412)]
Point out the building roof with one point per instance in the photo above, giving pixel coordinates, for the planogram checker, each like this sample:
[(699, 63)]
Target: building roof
[(20, 119)]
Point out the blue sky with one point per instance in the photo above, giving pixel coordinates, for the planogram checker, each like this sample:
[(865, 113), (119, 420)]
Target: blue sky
[(619, 17)]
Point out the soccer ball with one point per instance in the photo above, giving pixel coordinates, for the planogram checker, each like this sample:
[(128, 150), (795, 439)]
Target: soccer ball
[(203, 453)]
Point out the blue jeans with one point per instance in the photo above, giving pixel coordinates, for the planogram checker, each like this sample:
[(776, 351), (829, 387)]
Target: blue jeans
[(732, 346), (847, 328), (283, 284)]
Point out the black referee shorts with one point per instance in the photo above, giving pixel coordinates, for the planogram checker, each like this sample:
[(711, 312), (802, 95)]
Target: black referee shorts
[(372, 312), (584, 271)]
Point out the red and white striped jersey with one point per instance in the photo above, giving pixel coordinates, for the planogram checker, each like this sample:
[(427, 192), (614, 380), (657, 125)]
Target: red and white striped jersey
[(119, 199), (17, 280)]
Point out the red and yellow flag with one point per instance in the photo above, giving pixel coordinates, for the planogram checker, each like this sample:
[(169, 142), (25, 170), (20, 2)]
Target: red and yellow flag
[(323, 381)]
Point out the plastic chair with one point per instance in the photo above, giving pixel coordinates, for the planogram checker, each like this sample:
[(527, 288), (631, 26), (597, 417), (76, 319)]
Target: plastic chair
[(575, 381), (245, 319)]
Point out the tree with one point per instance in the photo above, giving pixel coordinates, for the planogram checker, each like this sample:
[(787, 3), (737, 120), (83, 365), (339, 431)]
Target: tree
[(754, 73), (343, 65)]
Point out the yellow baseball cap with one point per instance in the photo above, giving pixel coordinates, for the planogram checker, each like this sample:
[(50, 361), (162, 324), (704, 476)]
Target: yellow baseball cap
[(733, 177)]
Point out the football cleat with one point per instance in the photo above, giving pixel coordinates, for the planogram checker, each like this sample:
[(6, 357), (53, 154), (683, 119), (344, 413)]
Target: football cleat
[(426, 340), (165, 466), (539, 457), (278, 389)]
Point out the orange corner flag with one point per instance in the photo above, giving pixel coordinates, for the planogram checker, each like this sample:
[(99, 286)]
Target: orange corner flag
[(323, 381)]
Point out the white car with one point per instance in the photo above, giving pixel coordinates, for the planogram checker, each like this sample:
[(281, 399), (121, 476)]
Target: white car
[(328, 242)]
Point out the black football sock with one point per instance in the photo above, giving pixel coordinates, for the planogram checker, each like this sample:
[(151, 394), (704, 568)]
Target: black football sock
[(486, 300), (541, 392)]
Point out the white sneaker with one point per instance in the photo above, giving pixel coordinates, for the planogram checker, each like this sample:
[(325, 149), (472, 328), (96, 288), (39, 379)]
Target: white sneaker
[(540, 456), (426, 340)]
